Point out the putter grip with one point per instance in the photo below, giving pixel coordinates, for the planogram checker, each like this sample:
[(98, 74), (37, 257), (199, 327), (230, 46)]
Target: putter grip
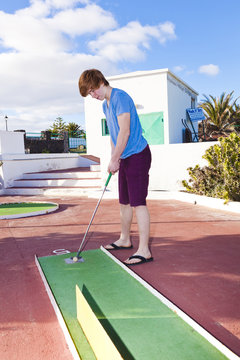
[(108, 179)]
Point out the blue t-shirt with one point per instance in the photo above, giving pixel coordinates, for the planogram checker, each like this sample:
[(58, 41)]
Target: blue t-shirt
[(121, 102)]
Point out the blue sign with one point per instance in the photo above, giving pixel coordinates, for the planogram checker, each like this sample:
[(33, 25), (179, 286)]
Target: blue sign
[(195, 114)]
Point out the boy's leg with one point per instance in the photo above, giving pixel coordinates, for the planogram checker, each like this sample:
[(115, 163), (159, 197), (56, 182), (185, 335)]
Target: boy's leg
[(143, 221), (126, 214), (126, 211), (138, 178)]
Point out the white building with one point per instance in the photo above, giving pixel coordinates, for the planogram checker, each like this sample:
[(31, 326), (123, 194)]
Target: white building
[(161, 99)]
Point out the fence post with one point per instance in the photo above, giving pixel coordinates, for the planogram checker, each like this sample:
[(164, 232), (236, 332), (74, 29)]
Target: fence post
[(48, 135), (65, 142)]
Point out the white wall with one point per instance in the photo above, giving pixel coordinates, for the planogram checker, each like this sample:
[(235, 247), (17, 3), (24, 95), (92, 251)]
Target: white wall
[(149, 92), (179, 99), (15, 162), (93, 116), (169, 163), (1, 179), (14, 166), (11, 142)]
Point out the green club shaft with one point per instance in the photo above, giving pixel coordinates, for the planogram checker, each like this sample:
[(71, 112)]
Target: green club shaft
[(83, 240)]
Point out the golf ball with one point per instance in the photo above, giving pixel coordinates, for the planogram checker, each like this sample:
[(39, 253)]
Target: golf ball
[(75, 258)]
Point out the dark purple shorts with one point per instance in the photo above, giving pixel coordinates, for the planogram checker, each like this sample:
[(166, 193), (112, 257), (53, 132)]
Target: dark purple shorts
[(133, 178)]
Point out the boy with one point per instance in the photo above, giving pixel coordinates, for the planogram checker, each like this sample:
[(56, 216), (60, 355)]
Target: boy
[(131, 157)]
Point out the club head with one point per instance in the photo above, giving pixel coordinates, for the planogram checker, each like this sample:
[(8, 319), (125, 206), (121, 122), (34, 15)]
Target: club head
[(71, 261)]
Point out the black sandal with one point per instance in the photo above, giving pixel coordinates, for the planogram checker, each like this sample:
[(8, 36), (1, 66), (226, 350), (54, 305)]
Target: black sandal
[(141, 258), (116, 247)]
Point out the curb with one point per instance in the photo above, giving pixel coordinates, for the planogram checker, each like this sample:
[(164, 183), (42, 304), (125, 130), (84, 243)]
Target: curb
[(213, 203)]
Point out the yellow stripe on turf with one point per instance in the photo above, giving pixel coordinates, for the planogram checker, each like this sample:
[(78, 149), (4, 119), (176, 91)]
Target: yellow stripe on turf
[(99, 340)]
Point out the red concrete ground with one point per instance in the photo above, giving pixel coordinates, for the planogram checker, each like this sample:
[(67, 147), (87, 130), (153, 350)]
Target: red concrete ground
[(196, 265)]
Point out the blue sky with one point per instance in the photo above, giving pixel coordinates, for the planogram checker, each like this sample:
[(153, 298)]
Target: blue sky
[(46, 44)]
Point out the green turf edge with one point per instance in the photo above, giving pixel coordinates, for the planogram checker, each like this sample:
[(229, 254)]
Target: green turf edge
[(222, 348), (75, 331), (66, 299), (23, 208)]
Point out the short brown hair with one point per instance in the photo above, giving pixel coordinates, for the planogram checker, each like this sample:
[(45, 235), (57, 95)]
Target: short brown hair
[(91, 79)]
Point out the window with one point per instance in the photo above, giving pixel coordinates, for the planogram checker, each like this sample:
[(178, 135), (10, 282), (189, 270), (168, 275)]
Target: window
[(105, 130), (193, 103)]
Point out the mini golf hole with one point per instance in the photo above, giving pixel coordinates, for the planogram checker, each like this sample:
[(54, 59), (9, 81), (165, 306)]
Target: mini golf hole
[(26, 209)]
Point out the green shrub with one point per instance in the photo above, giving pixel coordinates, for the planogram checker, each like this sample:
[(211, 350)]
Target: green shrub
[(221, 178)]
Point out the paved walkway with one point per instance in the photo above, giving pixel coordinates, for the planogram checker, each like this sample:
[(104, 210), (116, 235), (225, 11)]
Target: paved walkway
[(196, 265)]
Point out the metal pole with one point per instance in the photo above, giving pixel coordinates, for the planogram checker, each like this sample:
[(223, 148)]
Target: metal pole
[(6, 118)]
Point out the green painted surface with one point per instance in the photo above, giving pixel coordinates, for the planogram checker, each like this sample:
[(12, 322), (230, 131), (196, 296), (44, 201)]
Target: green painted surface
[(141, 327), (153, 127), (23, 208)]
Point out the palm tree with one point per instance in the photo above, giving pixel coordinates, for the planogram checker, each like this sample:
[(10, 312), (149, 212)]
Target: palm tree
[(221, 115), (236, 115), (75, 130)]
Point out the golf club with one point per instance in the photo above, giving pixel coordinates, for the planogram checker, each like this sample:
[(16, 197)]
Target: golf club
[(78, 258)]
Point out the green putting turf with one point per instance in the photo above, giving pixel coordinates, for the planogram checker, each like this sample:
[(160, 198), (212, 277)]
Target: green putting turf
[(140, 326), (23, 208)]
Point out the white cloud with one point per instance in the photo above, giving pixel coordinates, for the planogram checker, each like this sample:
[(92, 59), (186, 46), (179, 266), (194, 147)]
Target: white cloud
[(90, 19), (166, 31), (129, 42), (38, 71), (36, 9), (28, 34), (38, 88), (64, 4), (43, 80), (209, 69), (32, 30), (179, 68), (39, 66), (41, 8)]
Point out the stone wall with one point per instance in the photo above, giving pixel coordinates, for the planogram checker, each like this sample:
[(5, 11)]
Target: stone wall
[(46, 144)]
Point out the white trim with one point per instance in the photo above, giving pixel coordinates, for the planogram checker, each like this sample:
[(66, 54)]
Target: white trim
[(58, 313), (210, 338), (151, 72), (24, 157)]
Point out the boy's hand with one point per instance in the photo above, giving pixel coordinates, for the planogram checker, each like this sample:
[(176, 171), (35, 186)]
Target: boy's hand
[(113, 166)]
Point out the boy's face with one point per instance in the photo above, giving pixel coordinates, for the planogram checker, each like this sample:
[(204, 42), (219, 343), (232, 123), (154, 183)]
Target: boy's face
[(99, 93)]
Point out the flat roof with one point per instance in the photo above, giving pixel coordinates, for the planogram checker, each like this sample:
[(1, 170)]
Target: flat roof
[(151, 72)]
